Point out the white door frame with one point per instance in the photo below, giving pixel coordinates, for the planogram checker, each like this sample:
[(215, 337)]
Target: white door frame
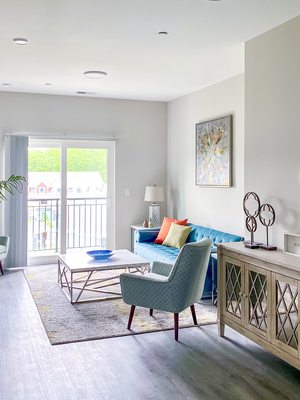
[(64, 144)]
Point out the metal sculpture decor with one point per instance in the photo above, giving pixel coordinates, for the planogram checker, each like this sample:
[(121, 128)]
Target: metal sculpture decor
[(267, 221), (251, 223)]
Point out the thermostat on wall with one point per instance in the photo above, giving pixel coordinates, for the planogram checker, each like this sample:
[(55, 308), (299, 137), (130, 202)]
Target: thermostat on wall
[(292, 244)]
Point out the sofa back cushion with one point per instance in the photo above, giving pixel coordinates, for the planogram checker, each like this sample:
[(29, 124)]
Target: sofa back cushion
[(199, 232)]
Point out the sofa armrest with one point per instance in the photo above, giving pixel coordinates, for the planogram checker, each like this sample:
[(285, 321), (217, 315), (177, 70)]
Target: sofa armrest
[(161, 268), (147, 235)]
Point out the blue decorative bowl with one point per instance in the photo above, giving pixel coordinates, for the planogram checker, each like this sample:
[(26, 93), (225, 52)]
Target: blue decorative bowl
[(100, 254)]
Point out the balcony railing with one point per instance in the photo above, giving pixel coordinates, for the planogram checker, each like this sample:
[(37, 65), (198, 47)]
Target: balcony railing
[(85, 226)]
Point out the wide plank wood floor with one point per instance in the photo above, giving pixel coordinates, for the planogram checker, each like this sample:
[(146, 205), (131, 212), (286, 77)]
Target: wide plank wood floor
[(148, 366)]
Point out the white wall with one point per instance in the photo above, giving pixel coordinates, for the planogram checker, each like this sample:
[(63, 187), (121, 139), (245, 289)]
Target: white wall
[(220, 208), (272, 138), (140, 152)]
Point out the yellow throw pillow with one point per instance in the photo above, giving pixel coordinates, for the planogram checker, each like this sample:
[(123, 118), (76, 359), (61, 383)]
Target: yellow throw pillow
[(177, 236)]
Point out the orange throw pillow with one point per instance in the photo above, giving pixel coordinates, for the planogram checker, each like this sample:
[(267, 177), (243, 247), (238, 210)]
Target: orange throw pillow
[(165, 227)]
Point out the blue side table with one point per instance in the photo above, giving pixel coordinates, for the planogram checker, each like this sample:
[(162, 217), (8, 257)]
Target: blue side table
[(214, 285)]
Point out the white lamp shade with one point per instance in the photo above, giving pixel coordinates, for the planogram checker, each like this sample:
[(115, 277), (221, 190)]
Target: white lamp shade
[(154, 194)]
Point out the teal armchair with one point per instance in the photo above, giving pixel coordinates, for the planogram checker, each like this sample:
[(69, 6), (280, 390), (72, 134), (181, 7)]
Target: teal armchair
[(170, 288), (4, 246)]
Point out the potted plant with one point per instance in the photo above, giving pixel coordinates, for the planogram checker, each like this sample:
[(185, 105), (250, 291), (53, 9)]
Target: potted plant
[(12, 184)]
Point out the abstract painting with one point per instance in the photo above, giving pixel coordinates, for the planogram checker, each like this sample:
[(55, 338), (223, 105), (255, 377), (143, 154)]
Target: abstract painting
[(213, 152)]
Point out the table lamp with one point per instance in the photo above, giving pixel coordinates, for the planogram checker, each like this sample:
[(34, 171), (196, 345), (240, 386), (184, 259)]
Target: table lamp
[(154, 194)]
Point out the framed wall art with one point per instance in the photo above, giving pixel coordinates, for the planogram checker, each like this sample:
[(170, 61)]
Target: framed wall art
[(214, 152)]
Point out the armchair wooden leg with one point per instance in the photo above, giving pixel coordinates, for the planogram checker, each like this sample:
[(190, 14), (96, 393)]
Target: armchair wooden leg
[(194, 314), (1, 268), (176, 315), (130, 317), (151, 312)]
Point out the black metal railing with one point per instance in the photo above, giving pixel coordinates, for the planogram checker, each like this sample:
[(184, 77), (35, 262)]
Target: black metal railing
[(86, 223)]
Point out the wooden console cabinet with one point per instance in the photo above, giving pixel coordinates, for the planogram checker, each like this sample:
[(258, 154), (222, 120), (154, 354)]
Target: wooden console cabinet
[(258, 296)]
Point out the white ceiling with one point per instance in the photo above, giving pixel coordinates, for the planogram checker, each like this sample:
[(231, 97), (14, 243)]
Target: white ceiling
[(68, 37)]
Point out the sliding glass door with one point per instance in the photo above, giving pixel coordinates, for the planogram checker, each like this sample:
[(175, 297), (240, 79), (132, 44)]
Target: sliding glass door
[(70, 197)]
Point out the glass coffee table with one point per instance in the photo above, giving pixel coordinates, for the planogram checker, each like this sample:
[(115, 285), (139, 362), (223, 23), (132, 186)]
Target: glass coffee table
[(79, 275)]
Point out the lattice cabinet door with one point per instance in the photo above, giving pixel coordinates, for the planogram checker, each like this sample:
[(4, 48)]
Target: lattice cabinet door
[(285, 328), (258, 300), (233, 282)]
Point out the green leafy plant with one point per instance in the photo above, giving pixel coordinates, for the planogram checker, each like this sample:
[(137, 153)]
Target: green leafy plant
[(11, 185)]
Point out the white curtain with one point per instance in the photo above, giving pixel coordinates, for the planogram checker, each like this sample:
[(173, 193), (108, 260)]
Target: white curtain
[(15, 208)]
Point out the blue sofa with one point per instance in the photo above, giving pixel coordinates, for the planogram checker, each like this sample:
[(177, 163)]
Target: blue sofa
[(145, 247)]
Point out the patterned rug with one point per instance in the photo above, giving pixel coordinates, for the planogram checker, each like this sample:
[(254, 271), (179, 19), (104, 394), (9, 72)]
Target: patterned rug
[(67, 323)]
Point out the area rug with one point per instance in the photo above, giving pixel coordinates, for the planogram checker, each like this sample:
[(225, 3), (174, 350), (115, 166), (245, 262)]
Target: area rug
[(67, 323)]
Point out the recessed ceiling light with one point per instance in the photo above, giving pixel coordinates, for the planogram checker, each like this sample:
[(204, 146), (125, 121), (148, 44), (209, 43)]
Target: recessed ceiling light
[(95, 74), (20, 41), (89, 93), (48, 84), (162, 33), (6, 84)]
